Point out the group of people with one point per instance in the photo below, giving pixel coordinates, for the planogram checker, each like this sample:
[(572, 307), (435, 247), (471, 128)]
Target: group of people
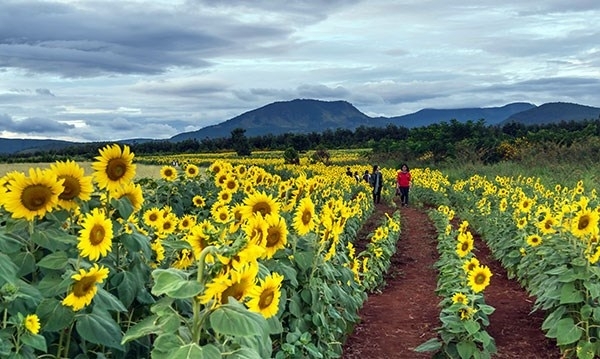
[(375, 179)]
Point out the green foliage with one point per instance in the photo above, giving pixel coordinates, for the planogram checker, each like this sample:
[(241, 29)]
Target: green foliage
[(290, 156), (321, 155), (240, 142)]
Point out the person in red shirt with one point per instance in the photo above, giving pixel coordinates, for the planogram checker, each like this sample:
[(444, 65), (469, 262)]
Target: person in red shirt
[(403, 182)]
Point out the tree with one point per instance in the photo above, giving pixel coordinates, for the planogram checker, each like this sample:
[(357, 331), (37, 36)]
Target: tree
[(290, 156), (240, 142)]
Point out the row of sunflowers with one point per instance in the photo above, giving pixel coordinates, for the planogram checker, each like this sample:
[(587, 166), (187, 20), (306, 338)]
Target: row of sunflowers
[(462, 279), (547, 238), (231, 261)]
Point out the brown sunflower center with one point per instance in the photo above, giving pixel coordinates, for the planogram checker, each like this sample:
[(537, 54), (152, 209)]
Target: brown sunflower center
[(262, 207), (35, 197), (480, 278), (97, 235), (84, 286), (72, 188), (266, 298), (273, 237), (464, 246), (306, 217), (584, 221), (116, 169)]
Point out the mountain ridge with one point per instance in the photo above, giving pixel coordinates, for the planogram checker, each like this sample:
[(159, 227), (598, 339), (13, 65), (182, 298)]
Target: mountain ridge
[(310, 115)]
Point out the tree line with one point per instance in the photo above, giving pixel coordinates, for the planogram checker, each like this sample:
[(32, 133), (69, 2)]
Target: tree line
[(433, 143)]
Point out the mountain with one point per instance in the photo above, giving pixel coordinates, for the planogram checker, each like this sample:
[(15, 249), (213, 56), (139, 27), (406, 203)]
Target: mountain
[(14, 145), (555, 112), (304, 116), (307, 115), (297, 116), (491, 115)]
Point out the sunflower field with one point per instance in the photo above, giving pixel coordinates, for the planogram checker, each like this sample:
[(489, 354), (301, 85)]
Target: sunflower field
[(217, 259), (545, 235)]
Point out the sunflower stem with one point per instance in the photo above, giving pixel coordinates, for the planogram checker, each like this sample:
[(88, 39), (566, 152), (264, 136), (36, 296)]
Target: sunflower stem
[(197, 318), (68, 343)]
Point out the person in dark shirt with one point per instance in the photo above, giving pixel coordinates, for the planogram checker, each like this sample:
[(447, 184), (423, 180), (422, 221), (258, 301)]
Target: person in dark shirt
[(377, 184)]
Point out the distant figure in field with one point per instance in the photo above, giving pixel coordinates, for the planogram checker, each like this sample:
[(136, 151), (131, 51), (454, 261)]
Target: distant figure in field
[(403, 182), (376, 183), (356, 176), (367, 176), (349, 172)]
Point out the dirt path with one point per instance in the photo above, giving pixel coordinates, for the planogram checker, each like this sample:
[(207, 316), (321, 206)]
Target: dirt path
[(406, 313)]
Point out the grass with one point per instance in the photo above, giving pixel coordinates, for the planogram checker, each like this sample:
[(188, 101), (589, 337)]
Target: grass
[(142, 170)]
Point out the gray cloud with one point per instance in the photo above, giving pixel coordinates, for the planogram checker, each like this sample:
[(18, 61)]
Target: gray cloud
[(33, 125), (44, 92), (79, 41), (157, 68)]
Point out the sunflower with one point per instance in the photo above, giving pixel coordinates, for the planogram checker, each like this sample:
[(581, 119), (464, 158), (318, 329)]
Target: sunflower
[(466, 313), (584, 223), (249, 254), (84, 289), (153, 217), (32, 323), (470, 264), (132, 191), (214, 289), (503, 205), (33, 196), (260, 202), (525, 204), (76, 185), (191, 171), (276, 237), (231, 184), (236, 215), (222, 214), (264, 298), (185, 258), (186, 222), (460, 298), (464, 246), (224, 196), (479, 278), (304, 220), (198, 240), (159, 250), (168, 173), (168, 224), (255, 229), (242, 280), (220, 179), (534, 240), (199, 201), (547, 224), (114, 167), (95, 238), (521, 222)]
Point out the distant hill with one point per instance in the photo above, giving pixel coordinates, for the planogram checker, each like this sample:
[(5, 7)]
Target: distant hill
[(491, 115), (307, 115), (14, 145), (304, 116), (296, 116), (555, 112)]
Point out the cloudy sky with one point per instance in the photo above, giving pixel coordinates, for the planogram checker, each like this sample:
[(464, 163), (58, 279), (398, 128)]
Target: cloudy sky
[(108, 70)]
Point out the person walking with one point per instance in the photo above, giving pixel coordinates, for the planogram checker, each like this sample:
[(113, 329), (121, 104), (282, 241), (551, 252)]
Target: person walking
[(403, 183), (376, 183)]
